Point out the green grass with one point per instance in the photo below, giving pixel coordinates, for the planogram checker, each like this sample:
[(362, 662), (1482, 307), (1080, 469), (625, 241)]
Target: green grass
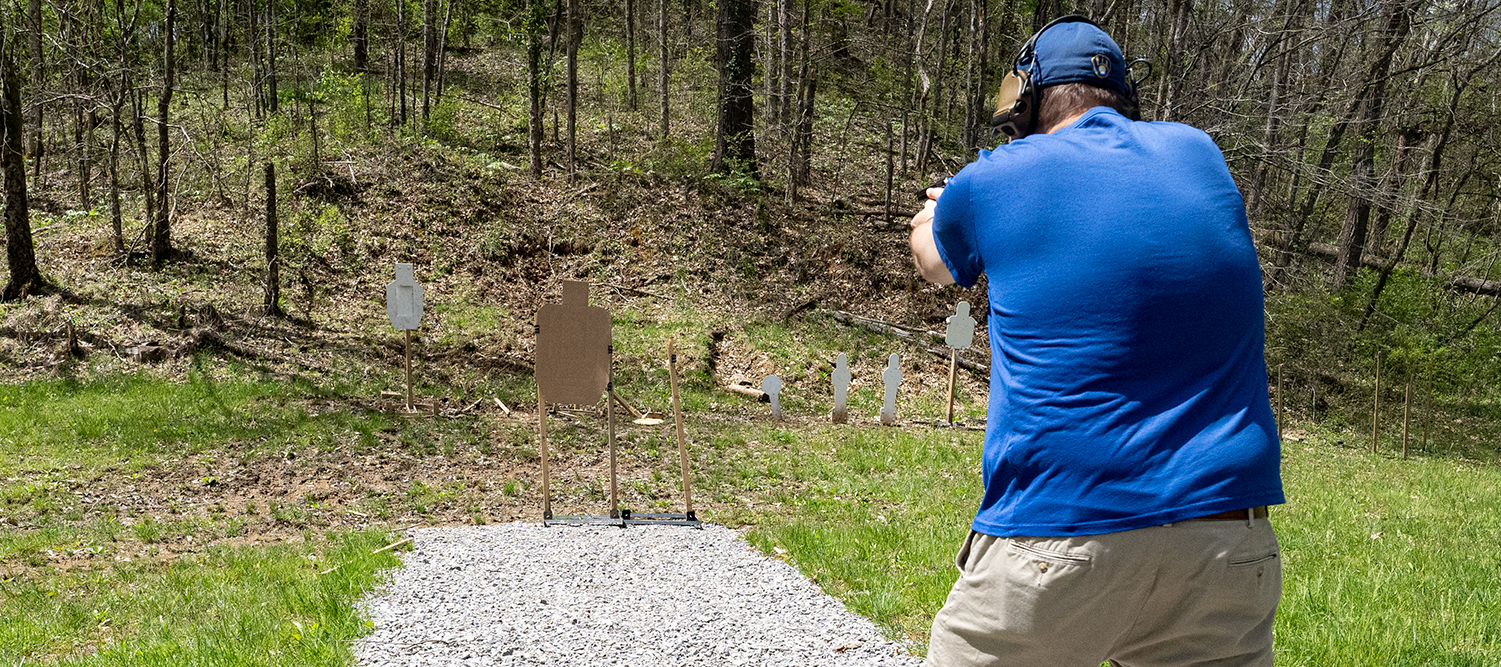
[(1386, 561), (874, 515), (265, 605)]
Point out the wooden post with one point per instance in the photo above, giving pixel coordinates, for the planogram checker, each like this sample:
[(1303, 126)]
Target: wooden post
[(542, 434), (890, 173), (1279, 402), (409, 370), (1376, 405), (1406, 411), (677, 416), (1428, 411), (953, 375), (272, 305), (610, 420)]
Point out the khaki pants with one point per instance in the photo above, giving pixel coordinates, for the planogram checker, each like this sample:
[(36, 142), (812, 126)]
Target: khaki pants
[(1190, 593)]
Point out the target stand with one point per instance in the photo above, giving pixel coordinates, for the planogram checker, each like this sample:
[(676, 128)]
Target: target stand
[(573, 366), (616, 517), (687, 518)]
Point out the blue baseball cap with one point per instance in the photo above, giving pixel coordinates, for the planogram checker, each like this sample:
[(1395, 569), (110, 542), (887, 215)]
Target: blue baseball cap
[(1078, 52)]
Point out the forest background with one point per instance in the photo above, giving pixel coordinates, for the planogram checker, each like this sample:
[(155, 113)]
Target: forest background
[(734, 175)]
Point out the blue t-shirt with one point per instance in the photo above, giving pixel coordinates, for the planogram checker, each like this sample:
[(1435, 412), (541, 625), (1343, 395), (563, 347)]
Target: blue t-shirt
[(1128, 385)]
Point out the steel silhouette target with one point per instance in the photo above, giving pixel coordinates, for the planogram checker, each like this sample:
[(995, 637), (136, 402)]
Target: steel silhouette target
[(892, 376), (961, 329), (841, 389), (772, 385), (404, 299)]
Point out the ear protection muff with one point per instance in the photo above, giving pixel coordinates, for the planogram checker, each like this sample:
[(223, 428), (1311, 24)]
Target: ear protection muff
[(1016, 103)]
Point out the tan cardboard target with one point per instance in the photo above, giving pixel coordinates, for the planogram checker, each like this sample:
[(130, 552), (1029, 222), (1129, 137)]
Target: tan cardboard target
[(573, 348)]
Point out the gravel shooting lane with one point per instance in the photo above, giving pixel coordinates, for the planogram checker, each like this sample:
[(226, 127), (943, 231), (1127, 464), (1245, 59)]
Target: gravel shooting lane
[(522, 594)]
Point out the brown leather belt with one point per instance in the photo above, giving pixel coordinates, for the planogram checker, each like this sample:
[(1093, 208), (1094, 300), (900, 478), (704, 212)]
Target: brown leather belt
[(1235, 515)]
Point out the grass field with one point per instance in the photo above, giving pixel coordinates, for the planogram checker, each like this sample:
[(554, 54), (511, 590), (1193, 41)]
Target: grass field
[(229, 605), (1387, 561)]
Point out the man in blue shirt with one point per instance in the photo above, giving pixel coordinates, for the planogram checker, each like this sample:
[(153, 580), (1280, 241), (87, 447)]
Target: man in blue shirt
[(1130, 451)]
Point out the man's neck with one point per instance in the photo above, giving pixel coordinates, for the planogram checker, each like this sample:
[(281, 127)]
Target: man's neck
[(1067, 121)]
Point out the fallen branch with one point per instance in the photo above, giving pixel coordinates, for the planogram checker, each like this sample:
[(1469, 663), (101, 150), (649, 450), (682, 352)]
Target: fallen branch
[(889, 329), (975, 367), (750, 392)]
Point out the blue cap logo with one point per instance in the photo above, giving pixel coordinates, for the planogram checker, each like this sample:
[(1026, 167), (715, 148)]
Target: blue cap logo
[(1101, 64)]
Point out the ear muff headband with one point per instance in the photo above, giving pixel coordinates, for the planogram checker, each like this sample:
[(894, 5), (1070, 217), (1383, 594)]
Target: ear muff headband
[(1016, 103)]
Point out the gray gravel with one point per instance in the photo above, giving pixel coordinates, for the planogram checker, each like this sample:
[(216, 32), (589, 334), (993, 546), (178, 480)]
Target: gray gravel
[(522, 594)]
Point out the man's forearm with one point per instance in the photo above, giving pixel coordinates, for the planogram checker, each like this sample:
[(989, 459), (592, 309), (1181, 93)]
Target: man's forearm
[(925, 255)]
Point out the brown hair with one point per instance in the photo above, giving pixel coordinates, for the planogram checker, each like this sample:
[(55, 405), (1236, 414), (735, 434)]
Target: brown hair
[(1066, 99)]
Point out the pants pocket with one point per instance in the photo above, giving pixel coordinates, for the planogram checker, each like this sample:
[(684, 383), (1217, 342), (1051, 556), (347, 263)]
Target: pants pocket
[(963, 557)]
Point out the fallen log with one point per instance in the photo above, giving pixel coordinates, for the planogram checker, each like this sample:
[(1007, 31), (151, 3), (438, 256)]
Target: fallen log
[(1464, 283), (748, 391), (907, 333)]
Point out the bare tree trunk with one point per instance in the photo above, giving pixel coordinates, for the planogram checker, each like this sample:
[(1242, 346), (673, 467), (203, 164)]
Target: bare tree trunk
[(257, 67), (161, 236), (226, 14), (534, 21), (1395, 26), (768, 57), (573, 27), (271, 96), (20, 253), (401, 60), (630, 54), (663, 67), (38, 72), (443, 46), (115, 218), (925, 147), (735, 140), (429, 57), (1175, 73), (784, 74), (1391, 189), (272, 303), (360, 35)]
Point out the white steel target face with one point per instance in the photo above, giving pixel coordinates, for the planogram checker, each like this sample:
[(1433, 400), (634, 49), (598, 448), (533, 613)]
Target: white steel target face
[(961, 331), (841, 382), (772, 385), (893, 379), (404, 299)]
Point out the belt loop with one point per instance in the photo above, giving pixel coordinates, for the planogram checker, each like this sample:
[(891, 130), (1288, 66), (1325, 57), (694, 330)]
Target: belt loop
[(1250, 516)]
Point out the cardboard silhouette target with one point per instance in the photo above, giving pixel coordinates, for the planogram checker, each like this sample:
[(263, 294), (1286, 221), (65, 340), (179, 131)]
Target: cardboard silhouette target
[(404, 309), (841, 389), (960, 335), (772, 385), (573, 348), (573, 366), (892, 376)]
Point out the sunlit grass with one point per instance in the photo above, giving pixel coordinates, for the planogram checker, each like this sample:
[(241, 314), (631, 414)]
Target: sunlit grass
[(239, 605), (1386, 561)]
